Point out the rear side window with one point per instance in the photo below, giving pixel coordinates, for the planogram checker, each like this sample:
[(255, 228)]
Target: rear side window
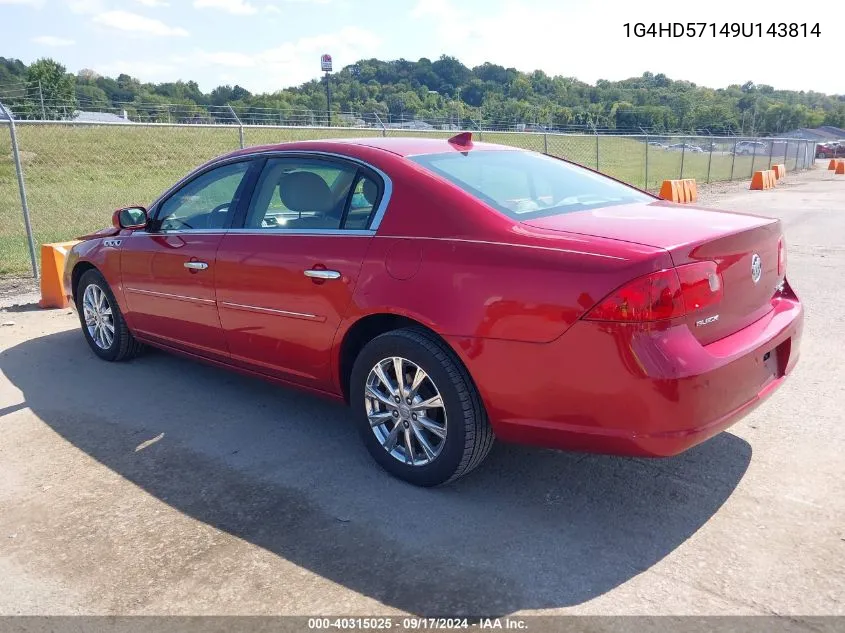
[(312, 194), (524, 185)]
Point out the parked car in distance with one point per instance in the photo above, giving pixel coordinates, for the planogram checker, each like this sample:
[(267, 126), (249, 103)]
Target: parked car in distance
[(831, 150), (656, 144), (450, 292), (687, 147), (748, 148)]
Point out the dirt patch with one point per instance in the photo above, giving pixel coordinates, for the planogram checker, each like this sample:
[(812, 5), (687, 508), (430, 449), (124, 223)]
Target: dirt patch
[(18, 292)]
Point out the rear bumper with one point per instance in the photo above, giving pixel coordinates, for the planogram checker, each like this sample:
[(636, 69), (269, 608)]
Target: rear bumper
[(629, 390)]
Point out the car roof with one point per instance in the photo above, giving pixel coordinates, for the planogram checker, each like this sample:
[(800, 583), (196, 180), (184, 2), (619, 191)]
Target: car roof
[(399, 145)]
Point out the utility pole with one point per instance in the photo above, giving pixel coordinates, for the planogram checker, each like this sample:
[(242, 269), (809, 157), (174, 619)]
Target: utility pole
[(326, 67)]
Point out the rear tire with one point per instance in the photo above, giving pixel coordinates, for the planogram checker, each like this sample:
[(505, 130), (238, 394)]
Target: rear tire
[(102, 322), (439, 415)]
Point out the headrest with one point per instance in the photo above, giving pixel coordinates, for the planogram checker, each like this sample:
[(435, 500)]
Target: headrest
[(305, 191), (370, 191)]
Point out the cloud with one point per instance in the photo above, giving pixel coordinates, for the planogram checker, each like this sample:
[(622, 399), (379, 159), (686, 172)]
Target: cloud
[(86, 7), (134, 23), (439, 9), (235, 7), (52, 40), (153, 3)]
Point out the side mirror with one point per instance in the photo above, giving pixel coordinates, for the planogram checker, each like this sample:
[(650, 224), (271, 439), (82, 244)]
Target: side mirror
[(130, 218)]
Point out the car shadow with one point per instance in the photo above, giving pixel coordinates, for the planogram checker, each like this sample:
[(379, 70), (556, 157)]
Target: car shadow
[(530, 529)]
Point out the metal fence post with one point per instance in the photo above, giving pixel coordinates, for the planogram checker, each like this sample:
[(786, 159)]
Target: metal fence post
[(753, 158), (710, 160), (477, 128), (545, 142), (733, 159), (683, 152), (797, 147), (383, 128), (41, 97), (240, 126), (645, 186), (771, 151), (597, 151), (21, 189), (786, 157)]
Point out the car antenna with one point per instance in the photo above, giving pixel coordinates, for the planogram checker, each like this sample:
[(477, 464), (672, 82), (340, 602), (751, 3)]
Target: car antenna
[(464, 139)]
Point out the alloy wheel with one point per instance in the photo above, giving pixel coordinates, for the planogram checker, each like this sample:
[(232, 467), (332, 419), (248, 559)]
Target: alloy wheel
[(99, 319), (406, 411)]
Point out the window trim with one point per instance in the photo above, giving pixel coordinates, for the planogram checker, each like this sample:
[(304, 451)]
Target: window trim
[(361, 167), (154, 224), (258, 159)]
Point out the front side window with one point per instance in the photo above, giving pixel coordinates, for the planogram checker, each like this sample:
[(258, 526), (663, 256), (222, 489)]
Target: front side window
[(311, 194), (525, 185), (205, 202)]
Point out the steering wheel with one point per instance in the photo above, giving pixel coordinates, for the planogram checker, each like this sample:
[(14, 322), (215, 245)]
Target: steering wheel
[(171, 219)]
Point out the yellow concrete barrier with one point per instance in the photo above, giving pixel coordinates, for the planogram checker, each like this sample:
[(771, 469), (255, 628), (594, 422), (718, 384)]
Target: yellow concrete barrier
[(52, 270), (840, 167), (780, 170)]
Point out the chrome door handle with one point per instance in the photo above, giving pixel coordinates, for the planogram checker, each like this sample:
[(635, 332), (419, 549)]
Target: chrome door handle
[(322, 274), (196, 265)]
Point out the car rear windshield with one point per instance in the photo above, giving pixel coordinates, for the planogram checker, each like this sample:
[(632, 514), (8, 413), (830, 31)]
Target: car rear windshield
[(525, 185)]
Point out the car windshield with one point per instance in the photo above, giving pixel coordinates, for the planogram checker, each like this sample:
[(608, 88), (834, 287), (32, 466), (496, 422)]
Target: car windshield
[(526, 185)]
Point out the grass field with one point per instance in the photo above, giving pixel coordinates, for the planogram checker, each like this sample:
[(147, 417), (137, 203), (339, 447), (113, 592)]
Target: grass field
[(76, 175)]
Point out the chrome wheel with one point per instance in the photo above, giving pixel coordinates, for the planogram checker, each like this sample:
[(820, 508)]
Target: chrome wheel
[(406, 411), (99, 320)]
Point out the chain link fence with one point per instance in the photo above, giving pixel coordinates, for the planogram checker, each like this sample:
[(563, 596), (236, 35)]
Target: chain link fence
[(76, 173)]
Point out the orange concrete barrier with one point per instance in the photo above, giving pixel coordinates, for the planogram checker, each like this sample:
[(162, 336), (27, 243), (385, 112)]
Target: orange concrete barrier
[(764, 179), (691, 189), (780, 170), (669, 191), (840, 167), (832, 164), (680, 191), (52, 270)]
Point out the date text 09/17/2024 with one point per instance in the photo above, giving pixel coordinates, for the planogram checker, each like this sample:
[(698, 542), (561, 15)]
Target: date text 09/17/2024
[(727, 29), (415, 623)]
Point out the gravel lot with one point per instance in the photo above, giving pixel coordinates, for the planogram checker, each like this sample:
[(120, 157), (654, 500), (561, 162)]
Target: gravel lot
[(163, 486)]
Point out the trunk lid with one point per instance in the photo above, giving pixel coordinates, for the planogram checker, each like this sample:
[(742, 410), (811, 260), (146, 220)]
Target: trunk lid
[(693, 234)]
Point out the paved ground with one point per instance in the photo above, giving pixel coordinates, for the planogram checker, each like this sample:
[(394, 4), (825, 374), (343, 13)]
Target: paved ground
[(165, 486)]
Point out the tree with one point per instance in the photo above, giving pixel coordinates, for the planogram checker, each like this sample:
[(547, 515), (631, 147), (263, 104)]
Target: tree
[(403, 87), (56, 86)]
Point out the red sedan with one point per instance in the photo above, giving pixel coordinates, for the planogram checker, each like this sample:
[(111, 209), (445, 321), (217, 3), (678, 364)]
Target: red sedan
[(450, 292)]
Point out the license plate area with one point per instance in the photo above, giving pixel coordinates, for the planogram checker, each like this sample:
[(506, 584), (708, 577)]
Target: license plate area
[(773, 362)]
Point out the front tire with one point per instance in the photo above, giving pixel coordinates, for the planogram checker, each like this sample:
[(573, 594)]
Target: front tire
[(102, 322), (419, 413)]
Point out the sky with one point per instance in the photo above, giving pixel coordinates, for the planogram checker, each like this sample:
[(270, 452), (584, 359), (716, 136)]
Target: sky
[(266, 45)]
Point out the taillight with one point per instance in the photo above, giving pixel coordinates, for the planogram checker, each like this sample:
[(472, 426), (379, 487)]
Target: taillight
[(701, 285), (781, 257), (665, 294)]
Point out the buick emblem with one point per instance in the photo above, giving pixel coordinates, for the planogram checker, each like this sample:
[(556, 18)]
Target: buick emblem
[(756, 268)]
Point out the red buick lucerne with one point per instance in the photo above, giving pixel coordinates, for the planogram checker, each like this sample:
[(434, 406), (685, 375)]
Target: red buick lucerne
[(452, 292)]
